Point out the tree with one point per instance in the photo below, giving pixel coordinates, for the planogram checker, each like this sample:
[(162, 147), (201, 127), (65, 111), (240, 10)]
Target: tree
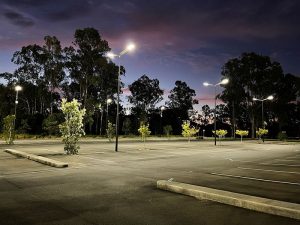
[(9, 129), (181, 99), (110, 131), (251, 75), (126, 128), (72, 128), (145, 93), (188, 131), (168, 130), (261, 132), (52, 122), (144, 132), (242, 133)]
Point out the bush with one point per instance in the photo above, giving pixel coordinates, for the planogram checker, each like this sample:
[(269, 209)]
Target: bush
[(168, 130), (282, 136), (110, 131), (72, 128), (242, 133), (188, 131), (52, 122), (9, 129)]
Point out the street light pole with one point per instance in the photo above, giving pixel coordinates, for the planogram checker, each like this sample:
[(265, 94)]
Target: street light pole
[(262, 109), (224, 81), (108, 101), (17, 89), (110, 55)]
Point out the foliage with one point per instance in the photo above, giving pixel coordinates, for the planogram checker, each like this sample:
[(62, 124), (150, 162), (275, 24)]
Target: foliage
[(145, 94), (261, 132), (181, 97), (24, 128), (51, 123), (168, 130), (72, 128), (282, 136), (110, 131), (126, 128), (144, 131), (9, 129), (188, 131), (242, 133), (220, 133)]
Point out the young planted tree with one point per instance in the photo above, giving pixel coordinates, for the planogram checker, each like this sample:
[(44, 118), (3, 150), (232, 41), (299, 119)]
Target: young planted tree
[(144, 132), (110, 131), (220, 133), (261, 132), (9, 129), (242, 133), (72, 128), (188, 131), (168, 130)]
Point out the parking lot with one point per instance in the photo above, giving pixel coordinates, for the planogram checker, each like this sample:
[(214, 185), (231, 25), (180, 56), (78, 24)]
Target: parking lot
[(101, 186)]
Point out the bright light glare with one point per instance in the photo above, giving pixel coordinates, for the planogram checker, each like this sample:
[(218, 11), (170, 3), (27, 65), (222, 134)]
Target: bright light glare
[(206, 84), (270, 97), (110, 55), (130, 47), (109, 100), (224, 81), (18, 88), (162, 108), (254, 99)]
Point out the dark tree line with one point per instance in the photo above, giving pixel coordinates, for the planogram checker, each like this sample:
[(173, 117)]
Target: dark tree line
[(50, 72)]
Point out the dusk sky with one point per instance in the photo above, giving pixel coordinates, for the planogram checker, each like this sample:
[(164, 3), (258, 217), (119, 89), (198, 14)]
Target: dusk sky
[(176, 40)]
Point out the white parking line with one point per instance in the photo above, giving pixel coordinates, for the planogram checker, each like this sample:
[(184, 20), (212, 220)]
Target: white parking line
[(289, 160), (257, 179), (280, 164), (275, 171)]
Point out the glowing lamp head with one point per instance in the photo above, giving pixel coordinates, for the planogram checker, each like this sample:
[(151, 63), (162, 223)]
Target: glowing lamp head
[(254, 99), (162, 108), (130, 47), (110, 55), (206, 84), (18, 88), (224, 81), (109, 101), (271, 97)]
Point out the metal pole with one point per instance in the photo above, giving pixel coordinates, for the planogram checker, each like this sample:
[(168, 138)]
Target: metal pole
[(106, 113), (262, 118), (16, 103), (118, 99), (215, 125)]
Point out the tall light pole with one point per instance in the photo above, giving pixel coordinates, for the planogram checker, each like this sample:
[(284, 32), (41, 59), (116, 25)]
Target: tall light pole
[(111, 55), (206, 84), (17, 89), (108, 101), (161, 115), (262, 109)]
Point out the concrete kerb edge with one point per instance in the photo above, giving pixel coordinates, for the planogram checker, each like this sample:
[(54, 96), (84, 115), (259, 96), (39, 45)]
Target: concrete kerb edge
[(270, 206), (36, 158)]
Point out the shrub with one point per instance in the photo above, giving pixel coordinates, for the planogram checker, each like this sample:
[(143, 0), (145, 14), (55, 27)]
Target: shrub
[(72, 128), (168, 130), (110, 131), (242, 133), (188, 131), (261, 132), (9, 129), (282, 136)]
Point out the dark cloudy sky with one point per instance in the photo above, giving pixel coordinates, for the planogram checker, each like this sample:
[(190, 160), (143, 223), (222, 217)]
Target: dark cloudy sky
[(185, 40)]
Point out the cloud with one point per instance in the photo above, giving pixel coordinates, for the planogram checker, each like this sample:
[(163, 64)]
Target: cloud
[(18, 19)]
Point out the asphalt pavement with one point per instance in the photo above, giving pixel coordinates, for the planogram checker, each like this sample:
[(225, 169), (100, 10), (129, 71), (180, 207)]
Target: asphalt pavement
[(102, 187)]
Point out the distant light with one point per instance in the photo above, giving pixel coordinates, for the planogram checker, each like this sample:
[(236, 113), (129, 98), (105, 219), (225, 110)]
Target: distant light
[(270, 97), (206, 84), (18, 88), (254, 99), (130, 47), (225, 81), (110, 55), (162, 108), (109, 100)]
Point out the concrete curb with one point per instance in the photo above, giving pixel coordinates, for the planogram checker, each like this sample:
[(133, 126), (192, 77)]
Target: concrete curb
[(40, 159), (264, 205)]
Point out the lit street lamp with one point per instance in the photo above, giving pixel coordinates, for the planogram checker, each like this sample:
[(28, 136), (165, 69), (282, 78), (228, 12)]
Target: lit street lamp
[(108, 101), (162, 108), (111, 55), (206, 84), (17, 89), (262, 109)]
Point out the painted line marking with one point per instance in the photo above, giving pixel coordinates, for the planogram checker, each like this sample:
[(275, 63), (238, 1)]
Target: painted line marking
[(280, 164), (253, 178), (289, 160), (275, 171)]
